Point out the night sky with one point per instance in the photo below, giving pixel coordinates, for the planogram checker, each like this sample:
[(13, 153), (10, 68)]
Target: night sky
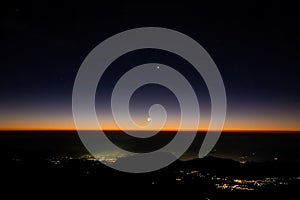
[(256, 46)]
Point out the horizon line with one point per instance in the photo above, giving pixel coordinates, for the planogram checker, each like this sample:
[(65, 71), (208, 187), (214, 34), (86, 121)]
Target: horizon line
[(166, 130)]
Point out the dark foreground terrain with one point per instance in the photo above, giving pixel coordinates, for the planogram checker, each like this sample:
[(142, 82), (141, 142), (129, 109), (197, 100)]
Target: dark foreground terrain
[(210, 177)]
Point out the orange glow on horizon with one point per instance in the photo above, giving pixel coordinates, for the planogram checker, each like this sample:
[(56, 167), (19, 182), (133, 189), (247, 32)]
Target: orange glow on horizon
[(65, 123), (164, 130)]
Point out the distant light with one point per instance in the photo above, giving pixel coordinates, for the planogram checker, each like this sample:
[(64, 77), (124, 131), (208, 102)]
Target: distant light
[(275, 158), (148, 119), (157, 67)]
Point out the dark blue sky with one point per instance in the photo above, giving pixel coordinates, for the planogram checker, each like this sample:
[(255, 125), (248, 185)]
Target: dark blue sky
[(255, 45)]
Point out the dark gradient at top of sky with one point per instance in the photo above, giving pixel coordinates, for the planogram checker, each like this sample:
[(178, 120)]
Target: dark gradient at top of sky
[(255, 45)]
